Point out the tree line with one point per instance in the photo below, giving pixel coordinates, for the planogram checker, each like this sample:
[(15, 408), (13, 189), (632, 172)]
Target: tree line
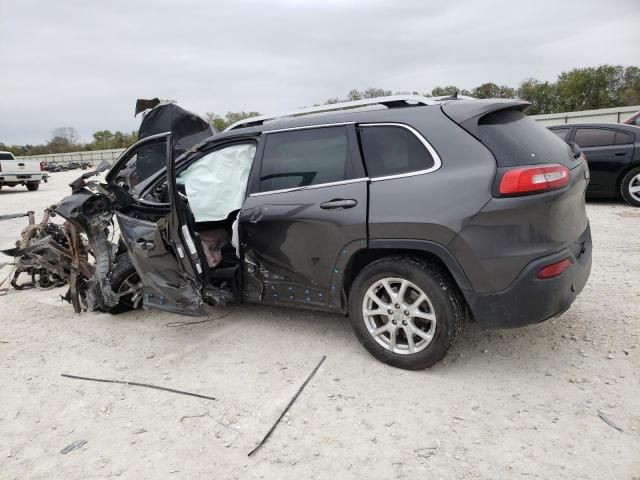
[(586, 88), (66, 139)]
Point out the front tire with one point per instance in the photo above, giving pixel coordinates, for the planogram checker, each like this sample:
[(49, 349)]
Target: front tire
[(125, 282), (406, 312), (630, 187)]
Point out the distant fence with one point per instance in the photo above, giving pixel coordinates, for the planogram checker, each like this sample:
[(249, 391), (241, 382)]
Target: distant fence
[(602, 115), (92, 157)]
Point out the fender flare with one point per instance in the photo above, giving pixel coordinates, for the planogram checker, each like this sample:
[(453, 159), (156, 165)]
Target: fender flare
[(436, 249)]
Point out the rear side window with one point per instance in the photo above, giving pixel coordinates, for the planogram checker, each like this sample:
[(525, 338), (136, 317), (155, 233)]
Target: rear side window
[(515, 139), (561, 133), (304, 157), (594, 137), (391, 150), (623, 138), (6, 156)]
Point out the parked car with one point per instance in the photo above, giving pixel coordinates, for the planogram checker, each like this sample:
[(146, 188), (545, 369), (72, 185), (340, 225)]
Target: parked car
[(633, 120), (14, 172), (52, 167), (613, 155), (408, 218)]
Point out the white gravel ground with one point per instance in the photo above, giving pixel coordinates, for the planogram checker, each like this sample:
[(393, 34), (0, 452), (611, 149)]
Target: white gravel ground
[(504, 404)]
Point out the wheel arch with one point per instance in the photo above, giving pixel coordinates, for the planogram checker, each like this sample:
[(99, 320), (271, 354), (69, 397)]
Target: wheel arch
[(424, 249), (623, 171)]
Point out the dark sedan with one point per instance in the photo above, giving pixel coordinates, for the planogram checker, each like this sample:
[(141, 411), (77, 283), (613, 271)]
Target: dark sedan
[(613, 155)]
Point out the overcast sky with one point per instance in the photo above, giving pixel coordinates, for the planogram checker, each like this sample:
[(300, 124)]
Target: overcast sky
[(83, 63)]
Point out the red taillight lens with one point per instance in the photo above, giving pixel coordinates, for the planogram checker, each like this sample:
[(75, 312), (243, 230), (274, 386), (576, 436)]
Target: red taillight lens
[(554, 269), (41, 167), (523, 180)]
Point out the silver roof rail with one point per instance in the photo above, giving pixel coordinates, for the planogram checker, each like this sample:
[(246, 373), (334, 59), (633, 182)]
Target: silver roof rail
[(390, 102)]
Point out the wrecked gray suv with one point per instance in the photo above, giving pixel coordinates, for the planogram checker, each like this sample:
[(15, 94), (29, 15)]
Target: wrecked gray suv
[(408, 214)]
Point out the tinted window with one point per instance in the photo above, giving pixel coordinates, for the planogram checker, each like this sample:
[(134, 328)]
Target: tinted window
[(390, 150), (594, 137), (515, 139), (561, 133), (6, 156), (623, 138), (304, 157)]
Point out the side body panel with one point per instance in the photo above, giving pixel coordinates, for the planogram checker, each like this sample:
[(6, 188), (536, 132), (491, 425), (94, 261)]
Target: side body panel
[(433, 207), (293, 247)]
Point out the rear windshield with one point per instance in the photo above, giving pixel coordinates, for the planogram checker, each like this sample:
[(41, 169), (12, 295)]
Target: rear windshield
[(514, 139), (6, 156)]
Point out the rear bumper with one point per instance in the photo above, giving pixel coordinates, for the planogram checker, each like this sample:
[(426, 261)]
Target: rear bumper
[(531, 300), (21, 178)]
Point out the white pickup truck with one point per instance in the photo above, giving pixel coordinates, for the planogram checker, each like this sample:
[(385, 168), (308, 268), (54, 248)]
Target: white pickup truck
[(20, 172)]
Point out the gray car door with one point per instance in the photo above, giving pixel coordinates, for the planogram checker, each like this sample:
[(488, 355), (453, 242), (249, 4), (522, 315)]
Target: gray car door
[(305, 214), (159, 248)]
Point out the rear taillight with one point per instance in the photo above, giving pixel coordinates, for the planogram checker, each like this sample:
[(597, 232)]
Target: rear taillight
[(41, 167), (525, 180), (554, 269)]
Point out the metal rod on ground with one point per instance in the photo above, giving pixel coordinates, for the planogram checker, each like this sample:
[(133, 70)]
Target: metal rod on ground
[(273, 427), (136, 384)]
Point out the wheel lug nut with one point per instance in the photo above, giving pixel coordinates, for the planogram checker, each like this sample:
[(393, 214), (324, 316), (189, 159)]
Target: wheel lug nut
[(390, 312), (397, 305), (394, 322), (406, 312), (404, 322)]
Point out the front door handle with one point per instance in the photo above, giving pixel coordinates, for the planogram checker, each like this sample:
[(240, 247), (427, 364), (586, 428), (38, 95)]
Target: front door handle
[(145, 244), (339, 204), (619, 154)]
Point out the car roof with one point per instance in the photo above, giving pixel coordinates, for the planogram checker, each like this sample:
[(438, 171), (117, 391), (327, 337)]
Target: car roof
[(366, 114)]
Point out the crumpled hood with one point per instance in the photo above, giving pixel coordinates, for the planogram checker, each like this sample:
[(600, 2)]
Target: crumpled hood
[(162, 116)]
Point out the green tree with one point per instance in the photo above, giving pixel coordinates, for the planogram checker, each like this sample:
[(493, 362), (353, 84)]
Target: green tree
[(542, 95), (442, 91), (491, 90), (220, 123), (590, 88), (102, 140), (630, 94)]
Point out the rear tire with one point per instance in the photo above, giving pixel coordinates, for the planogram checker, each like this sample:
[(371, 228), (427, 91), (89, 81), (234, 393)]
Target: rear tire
[(424, 304), (125, 278), (32, 187), (630, 187)]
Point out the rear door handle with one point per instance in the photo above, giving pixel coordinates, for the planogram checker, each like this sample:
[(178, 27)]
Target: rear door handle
[(619, 154), (339, 204)]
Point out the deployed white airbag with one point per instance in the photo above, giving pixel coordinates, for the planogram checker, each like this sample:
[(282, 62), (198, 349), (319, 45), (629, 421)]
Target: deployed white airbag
[(216, 183)]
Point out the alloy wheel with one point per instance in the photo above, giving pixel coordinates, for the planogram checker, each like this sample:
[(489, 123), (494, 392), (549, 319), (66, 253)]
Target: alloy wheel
[(399, 315), (634, 188), (130, 291)]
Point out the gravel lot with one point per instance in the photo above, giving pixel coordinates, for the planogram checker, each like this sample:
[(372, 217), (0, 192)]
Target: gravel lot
[(504, 404)]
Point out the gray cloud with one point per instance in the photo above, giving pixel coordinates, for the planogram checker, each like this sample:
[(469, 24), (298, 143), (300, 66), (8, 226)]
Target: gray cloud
[(83, 64)]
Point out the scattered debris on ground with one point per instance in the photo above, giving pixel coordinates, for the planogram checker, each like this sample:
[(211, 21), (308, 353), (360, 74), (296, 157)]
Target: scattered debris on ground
[(137, 384), (73, 446), (608, 421), (286, 409)]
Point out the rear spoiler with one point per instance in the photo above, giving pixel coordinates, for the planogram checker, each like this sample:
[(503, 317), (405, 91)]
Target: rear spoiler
[(468, 113)]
